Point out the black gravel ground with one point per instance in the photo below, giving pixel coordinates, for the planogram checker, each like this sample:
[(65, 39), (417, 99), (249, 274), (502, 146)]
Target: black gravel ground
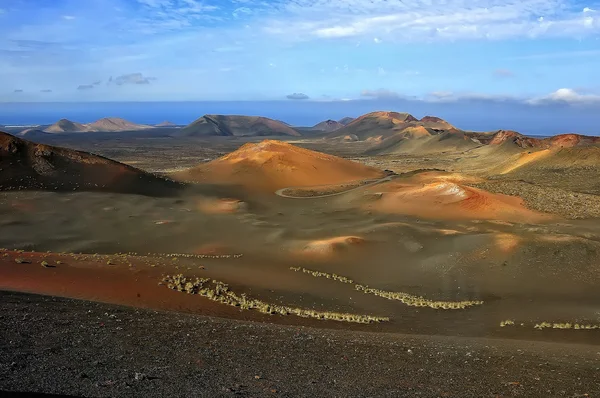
[(62, 346)]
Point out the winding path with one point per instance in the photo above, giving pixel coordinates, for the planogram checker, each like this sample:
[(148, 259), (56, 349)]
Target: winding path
[(280, 192)]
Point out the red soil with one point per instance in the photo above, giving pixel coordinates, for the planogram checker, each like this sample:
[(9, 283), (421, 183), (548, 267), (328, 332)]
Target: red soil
[(518, 139), (271, 165), (444, 200)]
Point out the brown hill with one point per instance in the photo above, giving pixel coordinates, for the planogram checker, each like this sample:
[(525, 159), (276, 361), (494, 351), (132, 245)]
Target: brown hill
[(381, 125), (503, 136), (436, 123), (271, 165), (115, 124), (238, 126), (66, 126), (558, 141), (346, 120), (328, 126), (109, 124), (578, 166), (27, 165), (420, 141), (571, 140)]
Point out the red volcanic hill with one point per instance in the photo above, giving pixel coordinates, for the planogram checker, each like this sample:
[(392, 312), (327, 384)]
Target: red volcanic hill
[(271, 165), (503, 136), (521, 141), (27, 165), (571, 140), (238, 126)]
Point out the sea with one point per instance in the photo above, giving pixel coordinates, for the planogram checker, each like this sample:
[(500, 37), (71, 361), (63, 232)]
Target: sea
[(466, 115)]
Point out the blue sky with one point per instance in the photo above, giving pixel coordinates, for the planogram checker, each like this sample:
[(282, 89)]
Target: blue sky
[(535, 52)]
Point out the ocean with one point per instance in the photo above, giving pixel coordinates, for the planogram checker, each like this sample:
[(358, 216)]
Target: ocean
[(467, 115)]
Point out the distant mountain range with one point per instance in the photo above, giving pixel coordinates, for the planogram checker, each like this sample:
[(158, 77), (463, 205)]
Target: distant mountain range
[(108, 124), (386, 130)]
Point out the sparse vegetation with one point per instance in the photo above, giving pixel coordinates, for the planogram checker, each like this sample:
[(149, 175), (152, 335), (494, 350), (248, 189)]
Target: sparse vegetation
[(555, 325), (220, 292), (418, 301), (319, 274), (406, 298), (566, 325)]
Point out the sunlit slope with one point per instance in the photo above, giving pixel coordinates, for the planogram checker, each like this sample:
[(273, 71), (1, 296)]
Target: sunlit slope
[(270, 165)]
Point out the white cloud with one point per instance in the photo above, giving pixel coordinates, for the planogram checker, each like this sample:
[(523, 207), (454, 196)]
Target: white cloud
[(427, 20), (377, 40), (561, 96), (566, 95), (449, 96), (381, 71), (68, 17)]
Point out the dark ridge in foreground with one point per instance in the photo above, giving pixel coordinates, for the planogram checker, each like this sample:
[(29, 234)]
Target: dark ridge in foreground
[(62, 346), (25, 165)]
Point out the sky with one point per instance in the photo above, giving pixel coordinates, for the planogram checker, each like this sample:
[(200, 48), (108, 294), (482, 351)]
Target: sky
[(530, 52)]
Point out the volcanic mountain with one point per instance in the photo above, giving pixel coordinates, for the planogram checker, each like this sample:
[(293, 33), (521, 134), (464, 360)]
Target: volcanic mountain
[(328, 126), (108, 124), (509, 137), (66, 126), (238, 126), (377, 126), (346, 120), (271, 165), (27, 165)]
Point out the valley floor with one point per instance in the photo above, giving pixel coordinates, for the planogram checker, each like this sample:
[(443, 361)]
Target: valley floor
[(80, 348)]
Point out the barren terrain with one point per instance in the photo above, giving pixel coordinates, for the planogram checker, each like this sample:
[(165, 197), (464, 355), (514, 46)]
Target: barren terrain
[(472, 241)]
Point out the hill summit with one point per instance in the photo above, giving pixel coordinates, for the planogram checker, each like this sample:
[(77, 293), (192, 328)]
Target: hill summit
[(109, 124), (381, 125), (271, 165), (237, 126)]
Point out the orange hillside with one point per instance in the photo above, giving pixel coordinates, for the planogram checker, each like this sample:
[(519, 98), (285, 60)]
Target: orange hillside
[(439, 199), (271, 165)]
